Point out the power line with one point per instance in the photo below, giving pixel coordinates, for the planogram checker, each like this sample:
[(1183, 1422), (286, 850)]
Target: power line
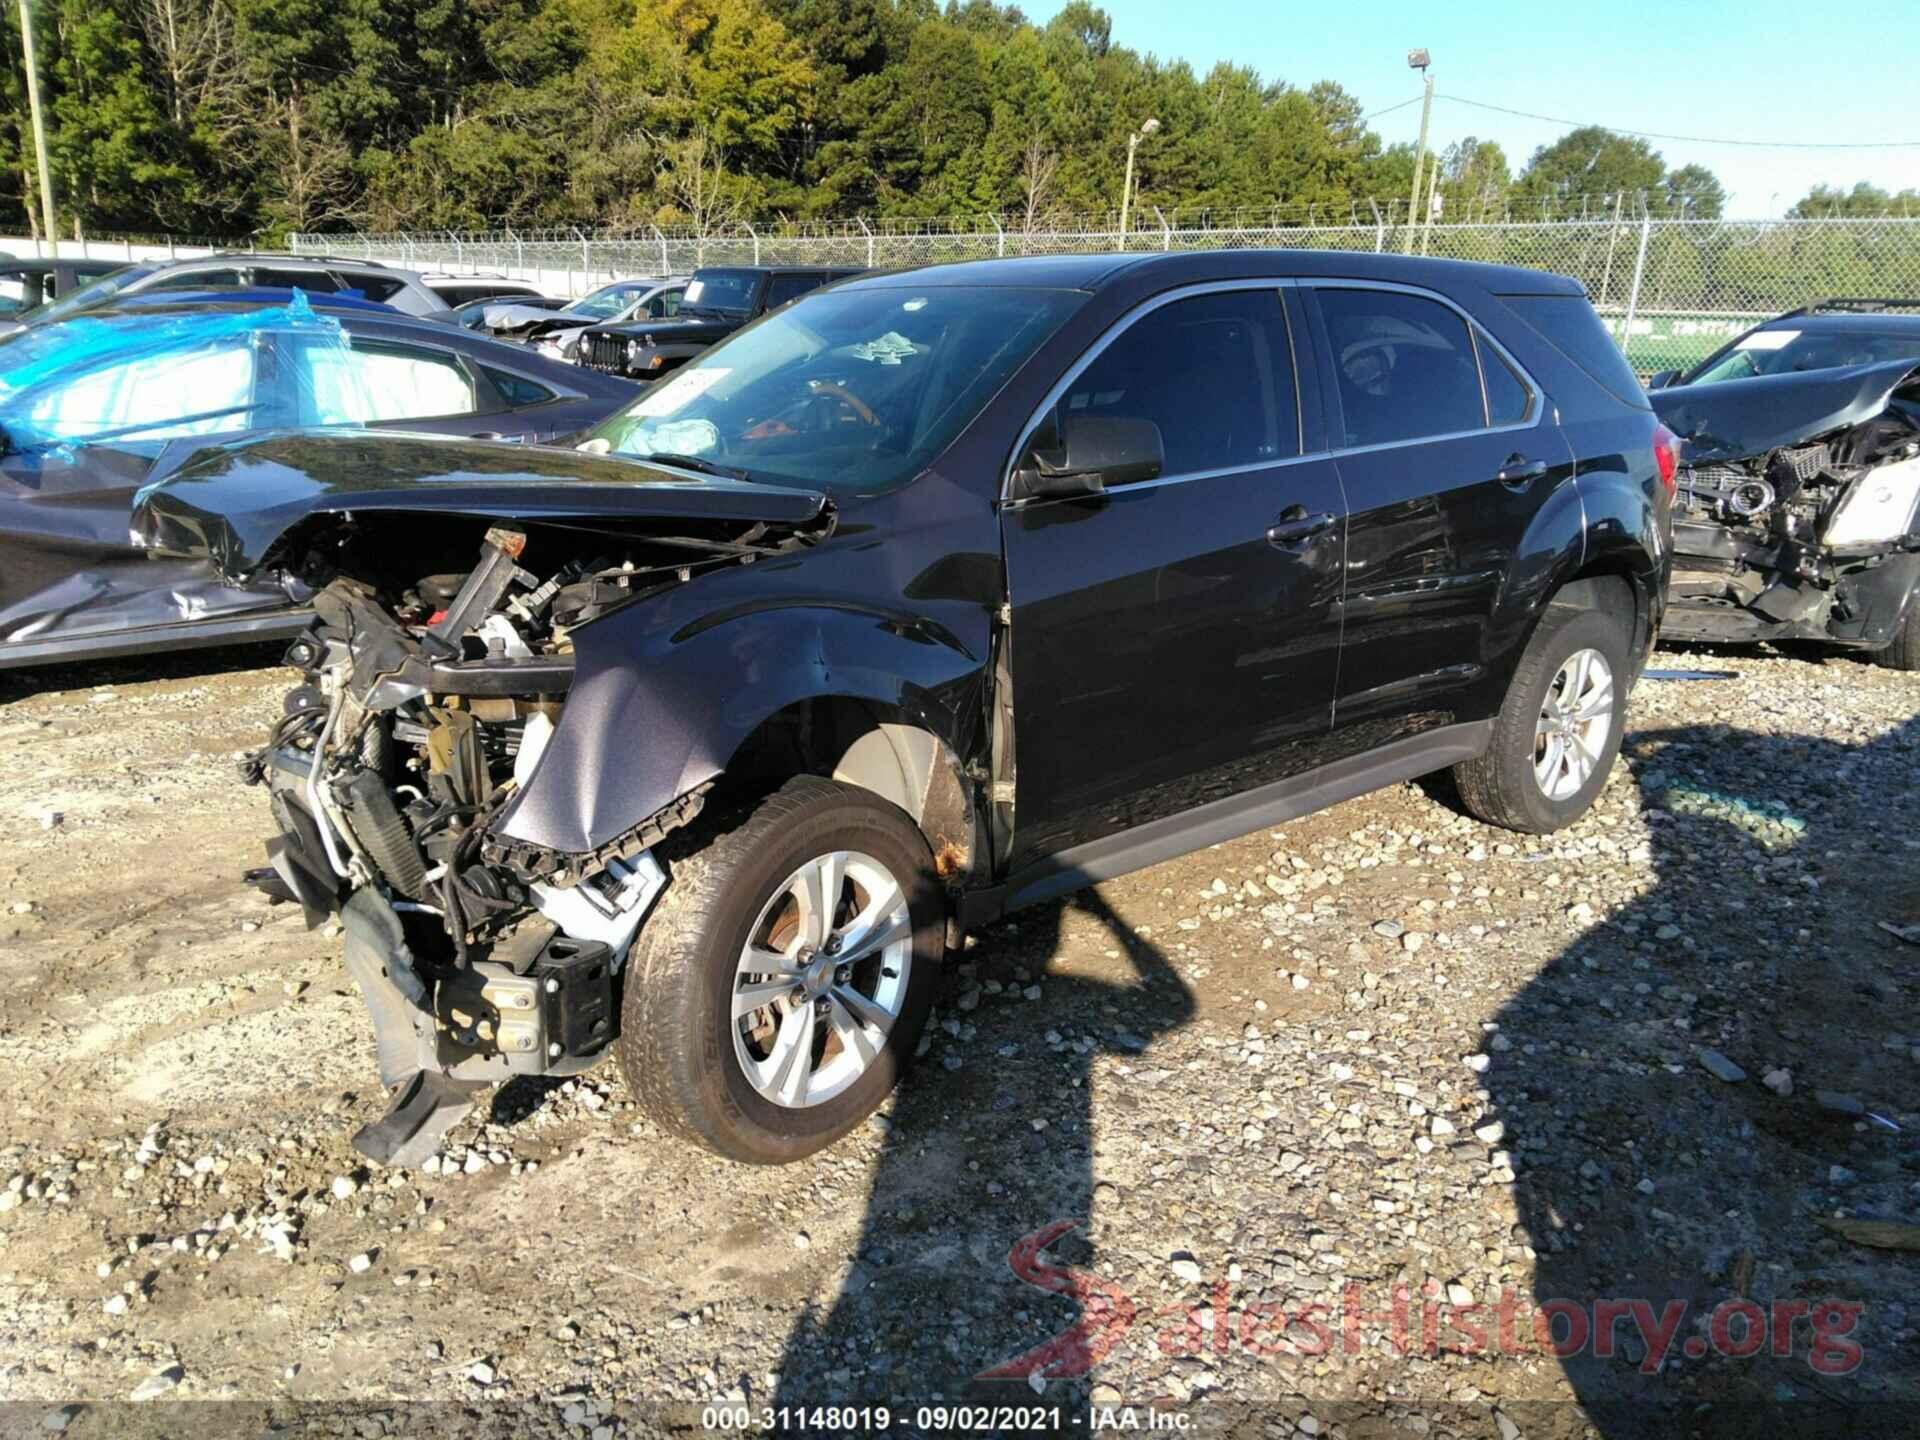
[(1691, 139), (1390, 109)]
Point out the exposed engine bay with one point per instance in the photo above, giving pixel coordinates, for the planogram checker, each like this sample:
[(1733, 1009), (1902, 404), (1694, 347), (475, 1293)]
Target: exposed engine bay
[(1817, 538), (427, 701)]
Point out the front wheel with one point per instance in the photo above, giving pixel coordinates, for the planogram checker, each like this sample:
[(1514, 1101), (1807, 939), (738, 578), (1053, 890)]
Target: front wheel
[(1559, 729), (778, 990), (1904, 652)]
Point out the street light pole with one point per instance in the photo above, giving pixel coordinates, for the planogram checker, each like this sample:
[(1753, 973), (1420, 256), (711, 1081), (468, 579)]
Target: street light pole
[(1147, 128), (1418, 60), (39, 129)]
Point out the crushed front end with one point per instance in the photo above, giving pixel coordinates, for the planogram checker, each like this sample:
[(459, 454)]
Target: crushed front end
[(424, 707), (1798, 509)]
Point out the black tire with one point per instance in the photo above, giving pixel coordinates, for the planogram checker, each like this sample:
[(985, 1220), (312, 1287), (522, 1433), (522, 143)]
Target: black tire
[(676, 1044), (1500, 786), (1904, 652)]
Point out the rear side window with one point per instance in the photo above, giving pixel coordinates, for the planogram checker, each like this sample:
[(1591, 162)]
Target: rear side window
[(376, 381), (1567, 323), (379, 288), (1403, 366), (314, 282), (200, 280), (1214, 373), (515, 390)]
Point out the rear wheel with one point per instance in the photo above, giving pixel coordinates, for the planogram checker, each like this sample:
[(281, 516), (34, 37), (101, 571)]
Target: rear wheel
[(776, 993), (1558, 731)]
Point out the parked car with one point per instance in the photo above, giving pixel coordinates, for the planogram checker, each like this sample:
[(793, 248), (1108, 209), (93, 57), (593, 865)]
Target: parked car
[(459, 290), (25, 284), (95, 407), (719, 299), (559, 336), (1827, 335), (507, 319), (1796, 517), (312, 274), (254, 297), (473, 314), (928, 597)]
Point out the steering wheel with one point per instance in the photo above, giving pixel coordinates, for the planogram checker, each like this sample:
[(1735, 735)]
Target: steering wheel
[(837, 391)]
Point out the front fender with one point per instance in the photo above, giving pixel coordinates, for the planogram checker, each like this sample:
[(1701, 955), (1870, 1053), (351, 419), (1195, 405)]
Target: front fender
[(655, 715)]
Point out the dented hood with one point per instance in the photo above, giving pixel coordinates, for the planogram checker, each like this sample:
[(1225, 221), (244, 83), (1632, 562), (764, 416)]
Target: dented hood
[(233, 503), (1736, 419)]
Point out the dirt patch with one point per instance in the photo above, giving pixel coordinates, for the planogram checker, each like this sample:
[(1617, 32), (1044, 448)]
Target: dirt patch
[(1381, 1047)]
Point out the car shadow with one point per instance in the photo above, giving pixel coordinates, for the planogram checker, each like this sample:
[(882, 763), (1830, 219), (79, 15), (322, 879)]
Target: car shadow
[(972, 1267), (1674, 1211)]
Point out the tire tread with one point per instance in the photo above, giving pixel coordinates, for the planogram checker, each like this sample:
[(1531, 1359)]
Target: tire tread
[(665, 1047)]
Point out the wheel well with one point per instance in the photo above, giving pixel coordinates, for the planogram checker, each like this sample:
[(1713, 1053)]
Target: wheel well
[(1607, 588), (876, 748)]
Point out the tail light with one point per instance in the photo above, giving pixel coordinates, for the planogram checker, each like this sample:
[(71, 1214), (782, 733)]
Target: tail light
[(1666, 455)]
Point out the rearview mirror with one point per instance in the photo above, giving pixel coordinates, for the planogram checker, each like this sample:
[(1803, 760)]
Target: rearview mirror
[(1095, 451)]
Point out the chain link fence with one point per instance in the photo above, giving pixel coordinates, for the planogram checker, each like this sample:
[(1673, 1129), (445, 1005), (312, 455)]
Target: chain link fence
[(1671, 291)]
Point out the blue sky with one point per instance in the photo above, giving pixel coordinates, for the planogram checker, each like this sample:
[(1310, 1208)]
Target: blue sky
[(1743, 69)]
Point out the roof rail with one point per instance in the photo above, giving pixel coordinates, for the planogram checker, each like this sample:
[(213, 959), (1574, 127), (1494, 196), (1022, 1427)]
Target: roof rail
[(1856, 305), (272, 255)]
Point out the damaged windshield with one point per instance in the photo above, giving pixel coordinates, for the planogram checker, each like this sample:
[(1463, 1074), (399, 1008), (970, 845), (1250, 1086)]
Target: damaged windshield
[(848, 391), (1784, 351)]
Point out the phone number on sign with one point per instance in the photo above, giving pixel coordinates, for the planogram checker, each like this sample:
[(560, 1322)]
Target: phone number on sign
[(880, 1417)]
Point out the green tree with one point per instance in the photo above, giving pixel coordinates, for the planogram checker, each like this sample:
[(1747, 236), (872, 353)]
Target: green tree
[(1695, 192), (1592, 162), (1834, 202)]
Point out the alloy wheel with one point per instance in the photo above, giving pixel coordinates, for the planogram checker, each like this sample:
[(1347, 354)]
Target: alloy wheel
[(821, 979), (1576, 720)]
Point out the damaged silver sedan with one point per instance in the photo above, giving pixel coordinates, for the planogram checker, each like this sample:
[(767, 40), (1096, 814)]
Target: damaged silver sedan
[(1796, 511)]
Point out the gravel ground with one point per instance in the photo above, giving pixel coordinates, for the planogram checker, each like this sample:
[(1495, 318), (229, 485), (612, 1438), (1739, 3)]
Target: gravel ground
[(1246, 1101)]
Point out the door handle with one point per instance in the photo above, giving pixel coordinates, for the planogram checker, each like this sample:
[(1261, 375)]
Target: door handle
[(1295, 525), (1519, 472)]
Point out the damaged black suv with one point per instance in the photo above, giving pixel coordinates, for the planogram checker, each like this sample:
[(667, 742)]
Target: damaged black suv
[(932, 595)]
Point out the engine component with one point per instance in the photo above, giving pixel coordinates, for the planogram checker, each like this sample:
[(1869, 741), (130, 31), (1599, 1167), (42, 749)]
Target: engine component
[(379, 831), (1726, 492)]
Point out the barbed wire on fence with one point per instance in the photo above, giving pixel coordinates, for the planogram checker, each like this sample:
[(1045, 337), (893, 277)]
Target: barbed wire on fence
[(1672, 289)]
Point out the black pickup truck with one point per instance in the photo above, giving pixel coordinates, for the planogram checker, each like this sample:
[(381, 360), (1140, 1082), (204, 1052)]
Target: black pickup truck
[(719, 300)]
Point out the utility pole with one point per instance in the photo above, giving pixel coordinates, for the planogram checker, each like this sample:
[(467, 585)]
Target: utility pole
[(1433, 199), (1418, 60), (1147, 127), (39, 129)]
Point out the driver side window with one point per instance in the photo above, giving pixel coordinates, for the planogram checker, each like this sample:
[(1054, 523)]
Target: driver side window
[(1213, 373)]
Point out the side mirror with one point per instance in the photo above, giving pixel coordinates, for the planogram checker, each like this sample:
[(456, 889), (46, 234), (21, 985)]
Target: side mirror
[(1095, 451), (1660, 379)]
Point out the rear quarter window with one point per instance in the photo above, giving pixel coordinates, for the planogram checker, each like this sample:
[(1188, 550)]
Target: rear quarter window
[(374, 287), (1567, 323)]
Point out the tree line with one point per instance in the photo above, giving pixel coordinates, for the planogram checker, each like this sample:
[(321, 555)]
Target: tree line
[(259, 117)]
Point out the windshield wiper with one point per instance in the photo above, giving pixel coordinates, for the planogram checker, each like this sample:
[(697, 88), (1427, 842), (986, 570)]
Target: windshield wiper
[(694, 462)]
